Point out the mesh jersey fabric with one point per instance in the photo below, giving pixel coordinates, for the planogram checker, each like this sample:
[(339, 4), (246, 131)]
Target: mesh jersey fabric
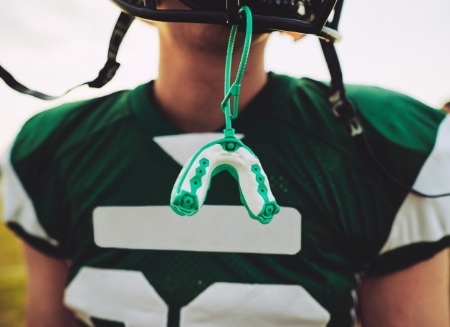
[(69, 160)]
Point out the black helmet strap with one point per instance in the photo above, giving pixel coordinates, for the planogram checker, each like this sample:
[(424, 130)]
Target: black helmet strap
[(341, 106), (104, 76)]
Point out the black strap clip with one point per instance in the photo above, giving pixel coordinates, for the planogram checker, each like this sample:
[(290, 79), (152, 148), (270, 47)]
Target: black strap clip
[(345, 113)]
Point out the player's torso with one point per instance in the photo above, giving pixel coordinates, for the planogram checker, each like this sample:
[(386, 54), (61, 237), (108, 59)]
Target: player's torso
[(101, 182), (144, 275)]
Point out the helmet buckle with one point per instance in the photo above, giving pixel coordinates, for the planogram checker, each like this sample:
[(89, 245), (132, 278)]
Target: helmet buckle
[(345, 113)]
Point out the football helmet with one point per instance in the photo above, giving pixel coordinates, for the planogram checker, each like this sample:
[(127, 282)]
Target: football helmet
[(303, 16)]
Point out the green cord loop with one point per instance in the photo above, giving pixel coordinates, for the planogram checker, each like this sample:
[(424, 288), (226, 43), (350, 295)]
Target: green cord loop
[(235, 89)]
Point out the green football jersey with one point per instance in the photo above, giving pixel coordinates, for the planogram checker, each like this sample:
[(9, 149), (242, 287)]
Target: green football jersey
[(91, 182)]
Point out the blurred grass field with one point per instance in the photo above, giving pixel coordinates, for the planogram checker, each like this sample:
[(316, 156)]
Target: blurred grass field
[(12, 279)]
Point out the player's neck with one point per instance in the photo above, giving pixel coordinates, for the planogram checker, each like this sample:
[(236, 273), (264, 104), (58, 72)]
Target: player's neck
[(190, 87)]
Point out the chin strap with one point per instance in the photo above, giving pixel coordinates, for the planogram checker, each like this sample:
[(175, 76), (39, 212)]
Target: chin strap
[(228, 153), (104, 76), (341, 106)]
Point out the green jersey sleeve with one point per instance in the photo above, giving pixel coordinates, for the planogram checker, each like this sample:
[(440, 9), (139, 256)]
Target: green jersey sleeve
[(411, 143), (35, 204), (32, 192)]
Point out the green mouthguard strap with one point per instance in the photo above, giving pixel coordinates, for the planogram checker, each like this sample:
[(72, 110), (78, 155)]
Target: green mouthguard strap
[(229, 153), (235, 89)]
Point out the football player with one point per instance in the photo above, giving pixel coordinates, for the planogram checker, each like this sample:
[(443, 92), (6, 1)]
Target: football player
[(360, 174)]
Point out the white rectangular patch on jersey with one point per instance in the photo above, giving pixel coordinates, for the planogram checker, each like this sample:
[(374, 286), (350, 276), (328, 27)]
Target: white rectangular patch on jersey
[(212, 229)]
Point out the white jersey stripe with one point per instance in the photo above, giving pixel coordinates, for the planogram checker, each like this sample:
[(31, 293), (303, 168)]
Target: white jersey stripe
[(212, 229), (426, 219), (434, 178)]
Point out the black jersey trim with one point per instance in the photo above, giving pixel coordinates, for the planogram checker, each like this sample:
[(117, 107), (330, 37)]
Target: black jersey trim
[(37, 243), (406, 256)]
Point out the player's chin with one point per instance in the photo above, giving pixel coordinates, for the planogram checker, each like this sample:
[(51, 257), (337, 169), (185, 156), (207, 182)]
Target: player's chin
[(212, 37)]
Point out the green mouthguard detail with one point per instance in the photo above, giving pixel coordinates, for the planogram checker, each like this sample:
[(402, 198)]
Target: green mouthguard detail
[(196, 181), (227, 153)]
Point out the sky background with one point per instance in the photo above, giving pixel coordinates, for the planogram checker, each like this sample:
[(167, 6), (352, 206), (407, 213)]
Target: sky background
[(51, 46)]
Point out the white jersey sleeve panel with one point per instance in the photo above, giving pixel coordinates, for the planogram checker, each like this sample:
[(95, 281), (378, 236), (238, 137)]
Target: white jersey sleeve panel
[(423, 219)]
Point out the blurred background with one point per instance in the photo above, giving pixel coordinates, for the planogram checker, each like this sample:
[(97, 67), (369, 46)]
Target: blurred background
[(51, 46)]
